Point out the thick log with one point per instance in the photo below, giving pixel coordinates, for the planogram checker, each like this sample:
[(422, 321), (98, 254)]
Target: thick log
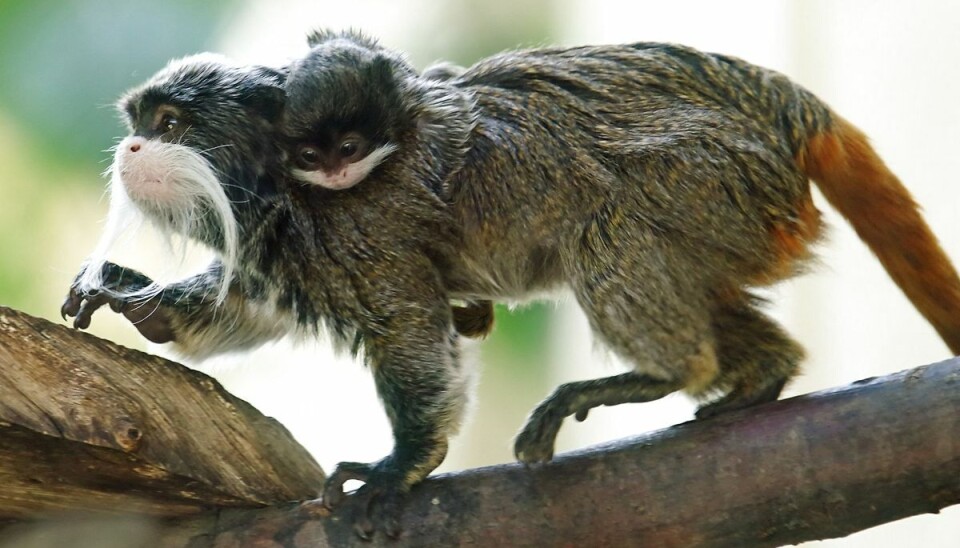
[(818, 466), (86, 424)]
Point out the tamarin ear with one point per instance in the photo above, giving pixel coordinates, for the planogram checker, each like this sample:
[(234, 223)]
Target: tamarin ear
[(267, 96), (267, 101), (127, 108)]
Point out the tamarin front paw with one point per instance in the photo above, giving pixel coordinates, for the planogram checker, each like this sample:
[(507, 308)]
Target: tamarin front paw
[(376, 505), (145, 313)]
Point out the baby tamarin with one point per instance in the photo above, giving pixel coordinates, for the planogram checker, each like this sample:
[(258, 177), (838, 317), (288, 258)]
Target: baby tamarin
[(658, 183), (343, 152)]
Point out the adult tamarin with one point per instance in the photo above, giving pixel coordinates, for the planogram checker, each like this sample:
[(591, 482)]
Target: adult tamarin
[(656, 182), (202, 160)]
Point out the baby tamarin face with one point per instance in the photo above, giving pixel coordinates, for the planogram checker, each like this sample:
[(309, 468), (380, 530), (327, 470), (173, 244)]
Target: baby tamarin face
[(337, 158), (343, 113)]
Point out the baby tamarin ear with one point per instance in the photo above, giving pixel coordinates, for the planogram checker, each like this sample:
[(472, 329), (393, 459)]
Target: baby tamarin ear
[(320, 36)]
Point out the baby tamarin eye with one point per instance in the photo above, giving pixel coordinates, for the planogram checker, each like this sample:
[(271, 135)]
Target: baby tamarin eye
[(348, 149), (309, 155), (353, 147), (342, 151)]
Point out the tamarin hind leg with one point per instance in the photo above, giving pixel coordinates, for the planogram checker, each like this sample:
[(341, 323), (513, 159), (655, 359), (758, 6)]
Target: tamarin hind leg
[(756, 358), (648, 304)]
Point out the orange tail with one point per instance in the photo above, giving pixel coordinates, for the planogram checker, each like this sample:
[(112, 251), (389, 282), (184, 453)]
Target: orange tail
[(858, 184)]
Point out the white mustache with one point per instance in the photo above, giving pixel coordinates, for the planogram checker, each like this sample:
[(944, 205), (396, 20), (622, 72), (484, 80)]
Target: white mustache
[(352, 174), (175, 189)]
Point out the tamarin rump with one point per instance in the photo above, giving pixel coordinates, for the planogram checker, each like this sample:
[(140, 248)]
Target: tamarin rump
[(657, 183)]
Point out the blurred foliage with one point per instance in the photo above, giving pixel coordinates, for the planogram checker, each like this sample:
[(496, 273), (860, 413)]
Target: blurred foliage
[(64, 63), (522, 333)]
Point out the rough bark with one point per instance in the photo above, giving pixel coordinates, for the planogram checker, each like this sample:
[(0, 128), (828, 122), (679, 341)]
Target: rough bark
[(817, 466), (86, 424)]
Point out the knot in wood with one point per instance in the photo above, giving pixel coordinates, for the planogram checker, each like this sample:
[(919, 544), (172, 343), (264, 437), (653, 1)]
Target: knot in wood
[(127, 435)]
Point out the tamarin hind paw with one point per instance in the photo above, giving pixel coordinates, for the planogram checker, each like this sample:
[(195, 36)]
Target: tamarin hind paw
[(535, 442), (377, 505), (740, 399)]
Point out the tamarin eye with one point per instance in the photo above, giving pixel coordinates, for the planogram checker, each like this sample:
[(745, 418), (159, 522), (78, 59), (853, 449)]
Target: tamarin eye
[(168, 122), (308, 155), (349, 149)]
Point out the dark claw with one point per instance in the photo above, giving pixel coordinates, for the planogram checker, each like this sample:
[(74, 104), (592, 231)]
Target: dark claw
[(373, 507), (376, 505), (362, 524), (388, 514), (87, 308), (71, 305)]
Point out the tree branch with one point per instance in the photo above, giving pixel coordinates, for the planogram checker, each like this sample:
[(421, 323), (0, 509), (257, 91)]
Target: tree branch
[(86, 424), (816, 466)]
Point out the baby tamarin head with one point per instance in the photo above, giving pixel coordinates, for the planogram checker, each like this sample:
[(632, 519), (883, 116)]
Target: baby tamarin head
[(195, 159), (345, 112)]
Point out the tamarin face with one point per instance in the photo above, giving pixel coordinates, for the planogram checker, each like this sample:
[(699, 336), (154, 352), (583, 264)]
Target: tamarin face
[(343, 113), (199, 115), (337, 159), (200, 139)]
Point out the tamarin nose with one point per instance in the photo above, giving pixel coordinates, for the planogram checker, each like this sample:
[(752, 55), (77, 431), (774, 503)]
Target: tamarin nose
[(134, 142)]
